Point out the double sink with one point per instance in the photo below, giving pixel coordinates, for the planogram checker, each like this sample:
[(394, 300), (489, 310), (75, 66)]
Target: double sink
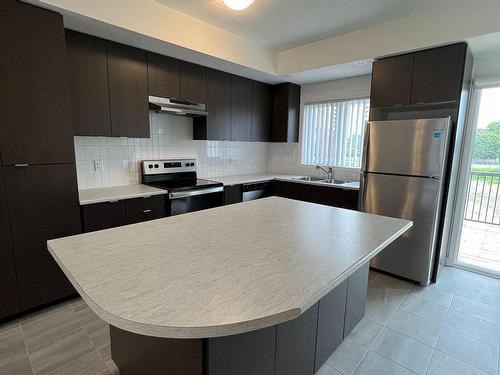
[(322, 180)]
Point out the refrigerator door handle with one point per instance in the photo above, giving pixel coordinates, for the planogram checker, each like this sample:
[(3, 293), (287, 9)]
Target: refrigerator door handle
[(364, 152), (361, 196)]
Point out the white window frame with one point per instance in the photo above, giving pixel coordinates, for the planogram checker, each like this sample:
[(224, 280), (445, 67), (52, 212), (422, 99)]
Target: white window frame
[(303, 125)]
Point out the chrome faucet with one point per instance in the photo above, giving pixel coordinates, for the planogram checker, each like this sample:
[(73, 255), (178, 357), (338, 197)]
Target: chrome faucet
[(328, 170)]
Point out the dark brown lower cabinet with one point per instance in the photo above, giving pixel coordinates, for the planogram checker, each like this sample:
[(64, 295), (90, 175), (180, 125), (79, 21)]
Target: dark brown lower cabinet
[(43, 205), (9, 292), (330, 323), (144, 209), (232, 194), (104, 215), (330, 196), (296, 343), (250, 353), (357, 287)]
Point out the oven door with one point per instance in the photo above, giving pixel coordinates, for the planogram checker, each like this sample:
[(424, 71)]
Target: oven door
[(195, 200)]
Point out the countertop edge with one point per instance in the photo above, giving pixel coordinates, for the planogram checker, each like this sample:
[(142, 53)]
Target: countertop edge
[(121, 197), (221, 330)]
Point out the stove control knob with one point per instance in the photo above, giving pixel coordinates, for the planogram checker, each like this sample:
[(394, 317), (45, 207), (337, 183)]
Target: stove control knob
[(157, 166), (187, 164), (192, 164), (150, 166)]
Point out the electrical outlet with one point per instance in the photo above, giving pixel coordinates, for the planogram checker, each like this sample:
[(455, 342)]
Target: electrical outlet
[(98, 166)]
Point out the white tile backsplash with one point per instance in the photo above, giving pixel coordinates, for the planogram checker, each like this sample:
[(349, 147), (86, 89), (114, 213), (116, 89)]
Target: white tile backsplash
[(171, 137)]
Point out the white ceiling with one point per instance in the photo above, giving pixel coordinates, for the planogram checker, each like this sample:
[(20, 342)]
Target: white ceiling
[(283, 24)]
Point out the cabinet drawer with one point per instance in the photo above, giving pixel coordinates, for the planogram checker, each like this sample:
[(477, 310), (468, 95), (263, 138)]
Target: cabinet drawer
[(143, 209)]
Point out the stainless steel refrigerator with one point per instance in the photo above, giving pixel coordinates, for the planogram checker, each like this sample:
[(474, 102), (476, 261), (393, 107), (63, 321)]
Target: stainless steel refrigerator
[(402, 175)]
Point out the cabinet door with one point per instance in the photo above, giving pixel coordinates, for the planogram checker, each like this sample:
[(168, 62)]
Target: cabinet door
[(296, 344), (241, 109), (144, 209), (218, 105), (232, 194), (163, 76), (438, 73), (36, 111), (391, 81), (193, 82), (104, 215), (330, 323), (88, 84), (9, 292), (249, 353), (262, 112), (286, 108), (43, 205), (128, 91), (357, 286)]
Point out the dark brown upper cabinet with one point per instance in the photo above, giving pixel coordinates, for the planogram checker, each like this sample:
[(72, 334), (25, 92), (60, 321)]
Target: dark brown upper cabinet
[(438, 74), (9, 292), (88, 84), (286, 108), (241, 109), (262, 112), (218, 121), (163, 76), (391, 81), (128, 91), (43, 205), (193, 82), (36, 111)]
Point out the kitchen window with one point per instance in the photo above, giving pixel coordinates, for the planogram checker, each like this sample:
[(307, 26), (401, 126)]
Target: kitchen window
[(333, 132)]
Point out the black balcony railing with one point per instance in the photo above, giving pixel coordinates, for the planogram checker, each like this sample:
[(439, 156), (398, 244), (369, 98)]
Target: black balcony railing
[(483, 202)]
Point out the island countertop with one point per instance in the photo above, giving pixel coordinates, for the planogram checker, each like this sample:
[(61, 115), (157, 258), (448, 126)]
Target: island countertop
[(221, 271)]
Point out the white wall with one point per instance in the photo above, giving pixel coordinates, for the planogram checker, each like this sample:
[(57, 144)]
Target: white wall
[(286, 157), (171, 137)]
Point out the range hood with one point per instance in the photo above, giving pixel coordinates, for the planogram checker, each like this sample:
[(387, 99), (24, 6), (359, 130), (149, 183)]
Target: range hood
[(177, 107)]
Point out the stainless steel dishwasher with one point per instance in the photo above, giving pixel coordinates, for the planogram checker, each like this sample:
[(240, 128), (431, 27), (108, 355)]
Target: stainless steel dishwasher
[(255, 190)]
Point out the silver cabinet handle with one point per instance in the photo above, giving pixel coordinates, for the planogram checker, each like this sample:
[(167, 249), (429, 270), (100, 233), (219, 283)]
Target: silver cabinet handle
[(20, 165), (146, 211)]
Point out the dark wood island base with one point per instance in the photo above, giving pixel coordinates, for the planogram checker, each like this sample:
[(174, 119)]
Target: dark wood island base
[(297, 347)]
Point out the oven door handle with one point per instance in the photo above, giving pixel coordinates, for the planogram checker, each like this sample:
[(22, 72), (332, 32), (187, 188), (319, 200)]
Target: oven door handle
[(192, 193)]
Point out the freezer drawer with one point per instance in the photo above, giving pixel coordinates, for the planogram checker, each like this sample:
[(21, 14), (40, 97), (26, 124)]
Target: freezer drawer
[(406, 147), (412, 198)]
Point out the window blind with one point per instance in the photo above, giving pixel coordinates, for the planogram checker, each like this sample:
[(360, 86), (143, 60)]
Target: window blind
[(333, 132)]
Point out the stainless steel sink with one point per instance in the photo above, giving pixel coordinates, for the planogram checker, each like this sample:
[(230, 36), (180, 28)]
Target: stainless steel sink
[(308, 179), (336, 182)]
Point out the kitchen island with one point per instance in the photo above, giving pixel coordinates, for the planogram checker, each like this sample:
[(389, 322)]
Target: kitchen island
[(260, 287)]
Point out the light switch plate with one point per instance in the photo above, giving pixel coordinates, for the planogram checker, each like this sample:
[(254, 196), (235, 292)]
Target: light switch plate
[(98, 166)]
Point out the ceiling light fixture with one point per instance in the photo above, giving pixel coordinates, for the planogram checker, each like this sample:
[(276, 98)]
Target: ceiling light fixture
[(238, 4)]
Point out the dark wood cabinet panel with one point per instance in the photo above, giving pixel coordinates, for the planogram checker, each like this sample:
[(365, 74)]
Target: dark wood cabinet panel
[(296, 344), (262, 112), (104, 215), (43, 205), (241, 109), (144, 209), (249, 353), (357, 286), (438, 74), (219, 105), (88, 84), (193, 82), (391, 81), (163, 76), (36, 112), (128, 91), (232, 194), (330, 323), (330, 196), (286, 108), (9, 292)]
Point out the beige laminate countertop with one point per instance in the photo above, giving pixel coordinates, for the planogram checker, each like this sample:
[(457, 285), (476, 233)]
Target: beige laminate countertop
[(115, 193), (221, 271), (262, 177)]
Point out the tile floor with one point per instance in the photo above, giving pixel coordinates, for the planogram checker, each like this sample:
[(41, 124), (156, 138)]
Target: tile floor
[(452, 327)]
